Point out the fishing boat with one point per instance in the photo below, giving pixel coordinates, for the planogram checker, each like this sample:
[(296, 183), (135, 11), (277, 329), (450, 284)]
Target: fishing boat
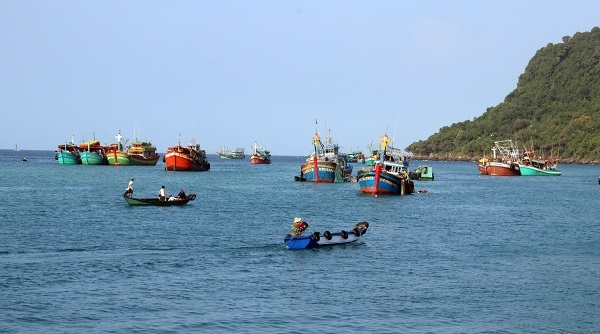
[(225, 153), (504, 160), (422, 173), (142, 154), (186, 158), (389, 176), (238, 153), (157, 202), (530, 165), (356, 156), (328, 238), (92, 153), (68, 153), (326, 164), (260, 155), (17, 148), (24, 159), (139, 153)]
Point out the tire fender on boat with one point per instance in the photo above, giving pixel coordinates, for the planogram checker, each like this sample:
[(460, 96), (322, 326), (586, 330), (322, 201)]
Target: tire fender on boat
[(316, 236), (344, 234), (362, 227), (327, 235), (356, 232), (192, 197)]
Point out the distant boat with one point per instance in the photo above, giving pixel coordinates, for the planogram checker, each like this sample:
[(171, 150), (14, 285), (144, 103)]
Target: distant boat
[(24, 159), (260, 156), (389, 176), (17, 148), (225, 153), (356, 156), (423, 173), (137, 154), (504, 160), (530, 165), (186, 158)]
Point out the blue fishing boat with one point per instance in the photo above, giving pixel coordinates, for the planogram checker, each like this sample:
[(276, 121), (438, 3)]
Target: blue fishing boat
[(315, 239), (389, 176), (92, 153), (68, 154), (326, 164)]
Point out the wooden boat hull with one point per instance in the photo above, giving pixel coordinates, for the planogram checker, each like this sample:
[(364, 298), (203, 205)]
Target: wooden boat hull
[(67, 158), (259, 160), (316, 239), (125, 159), (321, 171), (527, 170), (157, 202), (183, 161), (385, 184), (422, 173), (497, 168), (93, 158)]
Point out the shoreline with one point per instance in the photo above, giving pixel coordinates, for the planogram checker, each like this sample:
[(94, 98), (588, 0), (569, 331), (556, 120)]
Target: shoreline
[(475, 159)]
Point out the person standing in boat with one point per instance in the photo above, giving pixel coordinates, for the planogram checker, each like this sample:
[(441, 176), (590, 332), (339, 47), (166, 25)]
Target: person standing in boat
[(299, 226), (161, 193), (129, 190)]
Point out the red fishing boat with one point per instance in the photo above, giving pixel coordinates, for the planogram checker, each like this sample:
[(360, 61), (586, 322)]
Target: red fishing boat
[(504, 160), (186, 158), (260, 156)]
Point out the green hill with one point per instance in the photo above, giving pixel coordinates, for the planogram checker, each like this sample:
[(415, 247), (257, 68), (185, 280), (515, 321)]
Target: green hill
[(556, 106)]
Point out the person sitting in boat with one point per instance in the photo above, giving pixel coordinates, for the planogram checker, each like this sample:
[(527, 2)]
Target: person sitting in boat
[(181, 194), (299, 226), (161, 193), (172, 198), (129, 189)]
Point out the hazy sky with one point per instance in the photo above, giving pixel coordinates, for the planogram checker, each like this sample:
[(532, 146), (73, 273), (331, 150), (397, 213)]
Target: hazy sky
[(232, 72)]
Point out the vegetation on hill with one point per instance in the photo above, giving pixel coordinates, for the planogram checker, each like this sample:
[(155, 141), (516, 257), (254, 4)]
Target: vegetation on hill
[(556, 107)]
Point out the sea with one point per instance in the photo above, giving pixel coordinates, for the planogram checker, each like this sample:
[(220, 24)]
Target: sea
[(474, 254)]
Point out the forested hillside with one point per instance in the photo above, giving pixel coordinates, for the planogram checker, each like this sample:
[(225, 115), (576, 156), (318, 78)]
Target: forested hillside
[(556, 106)]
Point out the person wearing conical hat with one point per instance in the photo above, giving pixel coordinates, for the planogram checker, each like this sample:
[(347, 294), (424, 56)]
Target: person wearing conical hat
[(299, 226)]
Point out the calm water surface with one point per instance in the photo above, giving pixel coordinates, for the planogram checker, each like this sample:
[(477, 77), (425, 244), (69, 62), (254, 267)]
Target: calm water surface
[(477, 254)]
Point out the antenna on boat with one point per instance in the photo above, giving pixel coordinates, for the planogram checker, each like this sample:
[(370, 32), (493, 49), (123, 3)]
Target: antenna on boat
[(396, 128)]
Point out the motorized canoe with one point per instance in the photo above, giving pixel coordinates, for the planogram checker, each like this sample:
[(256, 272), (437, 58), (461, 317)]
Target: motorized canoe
[(158, 202), (327, 239)]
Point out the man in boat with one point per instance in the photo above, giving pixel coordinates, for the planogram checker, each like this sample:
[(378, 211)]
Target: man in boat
[(181, 194), (299, 226), (129, 190), (161, 193)]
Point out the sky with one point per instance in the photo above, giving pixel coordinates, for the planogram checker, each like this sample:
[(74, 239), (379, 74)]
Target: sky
[(235, 72)]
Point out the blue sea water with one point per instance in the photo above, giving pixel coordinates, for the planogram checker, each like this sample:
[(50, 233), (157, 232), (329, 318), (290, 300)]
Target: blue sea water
[(477, 254)]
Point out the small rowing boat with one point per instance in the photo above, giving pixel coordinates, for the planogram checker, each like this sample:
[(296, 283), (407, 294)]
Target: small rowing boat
[(327, 239), (157, 202)]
